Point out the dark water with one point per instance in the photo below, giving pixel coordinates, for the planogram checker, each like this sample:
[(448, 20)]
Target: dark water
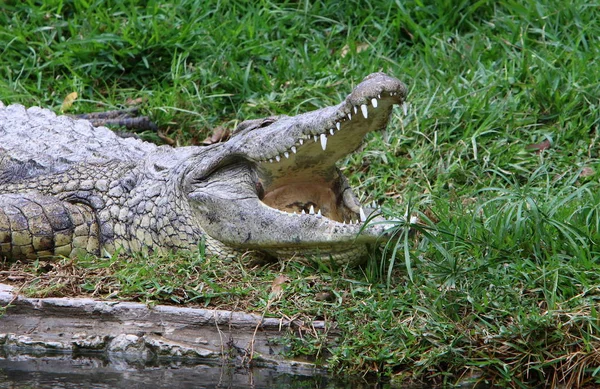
[(65, 371)]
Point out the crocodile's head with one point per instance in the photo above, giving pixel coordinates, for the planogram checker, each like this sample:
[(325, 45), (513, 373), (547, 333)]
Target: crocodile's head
[(274, 187)]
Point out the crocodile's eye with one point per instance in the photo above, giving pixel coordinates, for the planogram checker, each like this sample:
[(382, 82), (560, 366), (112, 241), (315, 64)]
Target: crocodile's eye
[(250, 125)]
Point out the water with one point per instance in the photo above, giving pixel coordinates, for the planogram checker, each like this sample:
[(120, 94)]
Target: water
[(92, 371)]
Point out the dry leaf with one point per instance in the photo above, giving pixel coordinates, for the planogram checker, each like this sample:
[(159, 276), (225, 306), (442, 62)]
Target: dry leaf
[(359, 48), (68, 101), (539, 147), (277, 287), (219, 134), (587, 172), (137, 101), (431, 215), (325, 296), (168, 140)]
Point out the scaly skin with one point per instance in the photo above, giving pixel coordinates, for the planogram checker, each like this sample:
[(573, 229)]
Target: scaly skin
[(68, 188)]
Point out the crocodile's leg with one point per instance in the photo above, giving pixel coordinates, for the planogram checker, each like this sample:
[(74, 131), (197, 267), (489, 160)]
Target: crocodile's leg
[(34, 225)]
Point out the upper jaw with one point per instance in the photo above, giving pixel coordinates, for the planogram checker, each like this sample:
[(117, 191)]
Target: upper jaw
[(326, 135)]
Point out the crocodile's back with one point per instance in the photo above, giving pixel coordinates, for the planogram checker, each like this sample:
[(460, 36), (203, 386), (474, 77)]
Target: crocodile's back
[(36, 141)]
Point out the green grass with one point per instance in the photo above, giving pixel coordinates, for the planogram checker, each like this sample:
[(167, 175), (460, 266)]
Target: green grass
[(502, 279)]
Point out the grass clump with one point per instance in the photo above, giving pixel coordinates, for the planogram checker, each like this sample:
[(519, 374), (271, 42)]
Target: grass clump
[(497, 154)]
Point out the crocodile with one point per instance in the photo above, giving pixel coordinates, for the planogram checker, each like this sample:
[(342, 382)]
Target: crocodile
[(68, 188)]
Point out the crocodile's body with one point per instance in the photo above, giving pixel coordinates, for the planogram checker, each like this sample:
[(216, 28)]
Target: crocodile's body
[(67, 187)]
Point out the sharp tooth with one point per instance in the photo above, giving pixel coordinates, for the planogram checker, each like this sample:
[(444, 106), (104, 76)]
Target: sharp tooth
[(294, 149), (373, 204), (301, 141), (319, 215), (316, 138), (404, 109), (356, 222), (303, 212), (344, 222), (374, 102), (363, 217), (323, 141), (286, 154), (364, 110), (355, 109), (338, 126), (278, 158), (379, 96), (331, 131), (311, 211), (349, 116), (271, 160)]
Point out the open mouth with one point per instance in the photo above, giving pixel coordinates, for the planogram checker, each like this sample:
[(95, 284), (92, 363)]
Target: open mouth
[(286, 196), (303, 179)]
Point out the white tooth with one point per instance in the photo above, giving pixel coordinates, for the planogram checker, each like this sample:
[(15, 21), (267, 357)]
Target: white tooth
[(271, 160), (349, 116), (323, 141), (331, 131), (364, 110), (316, 138), (338, 125), (404, 109), (294, 149), (301, 141), (303, 212), (287, 155), (356, 222), (278, 158), (311, 211), (374, 102), (344, 222), (379, 96), (363, 217), (373, 204), (355, 109), (319, 213)]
